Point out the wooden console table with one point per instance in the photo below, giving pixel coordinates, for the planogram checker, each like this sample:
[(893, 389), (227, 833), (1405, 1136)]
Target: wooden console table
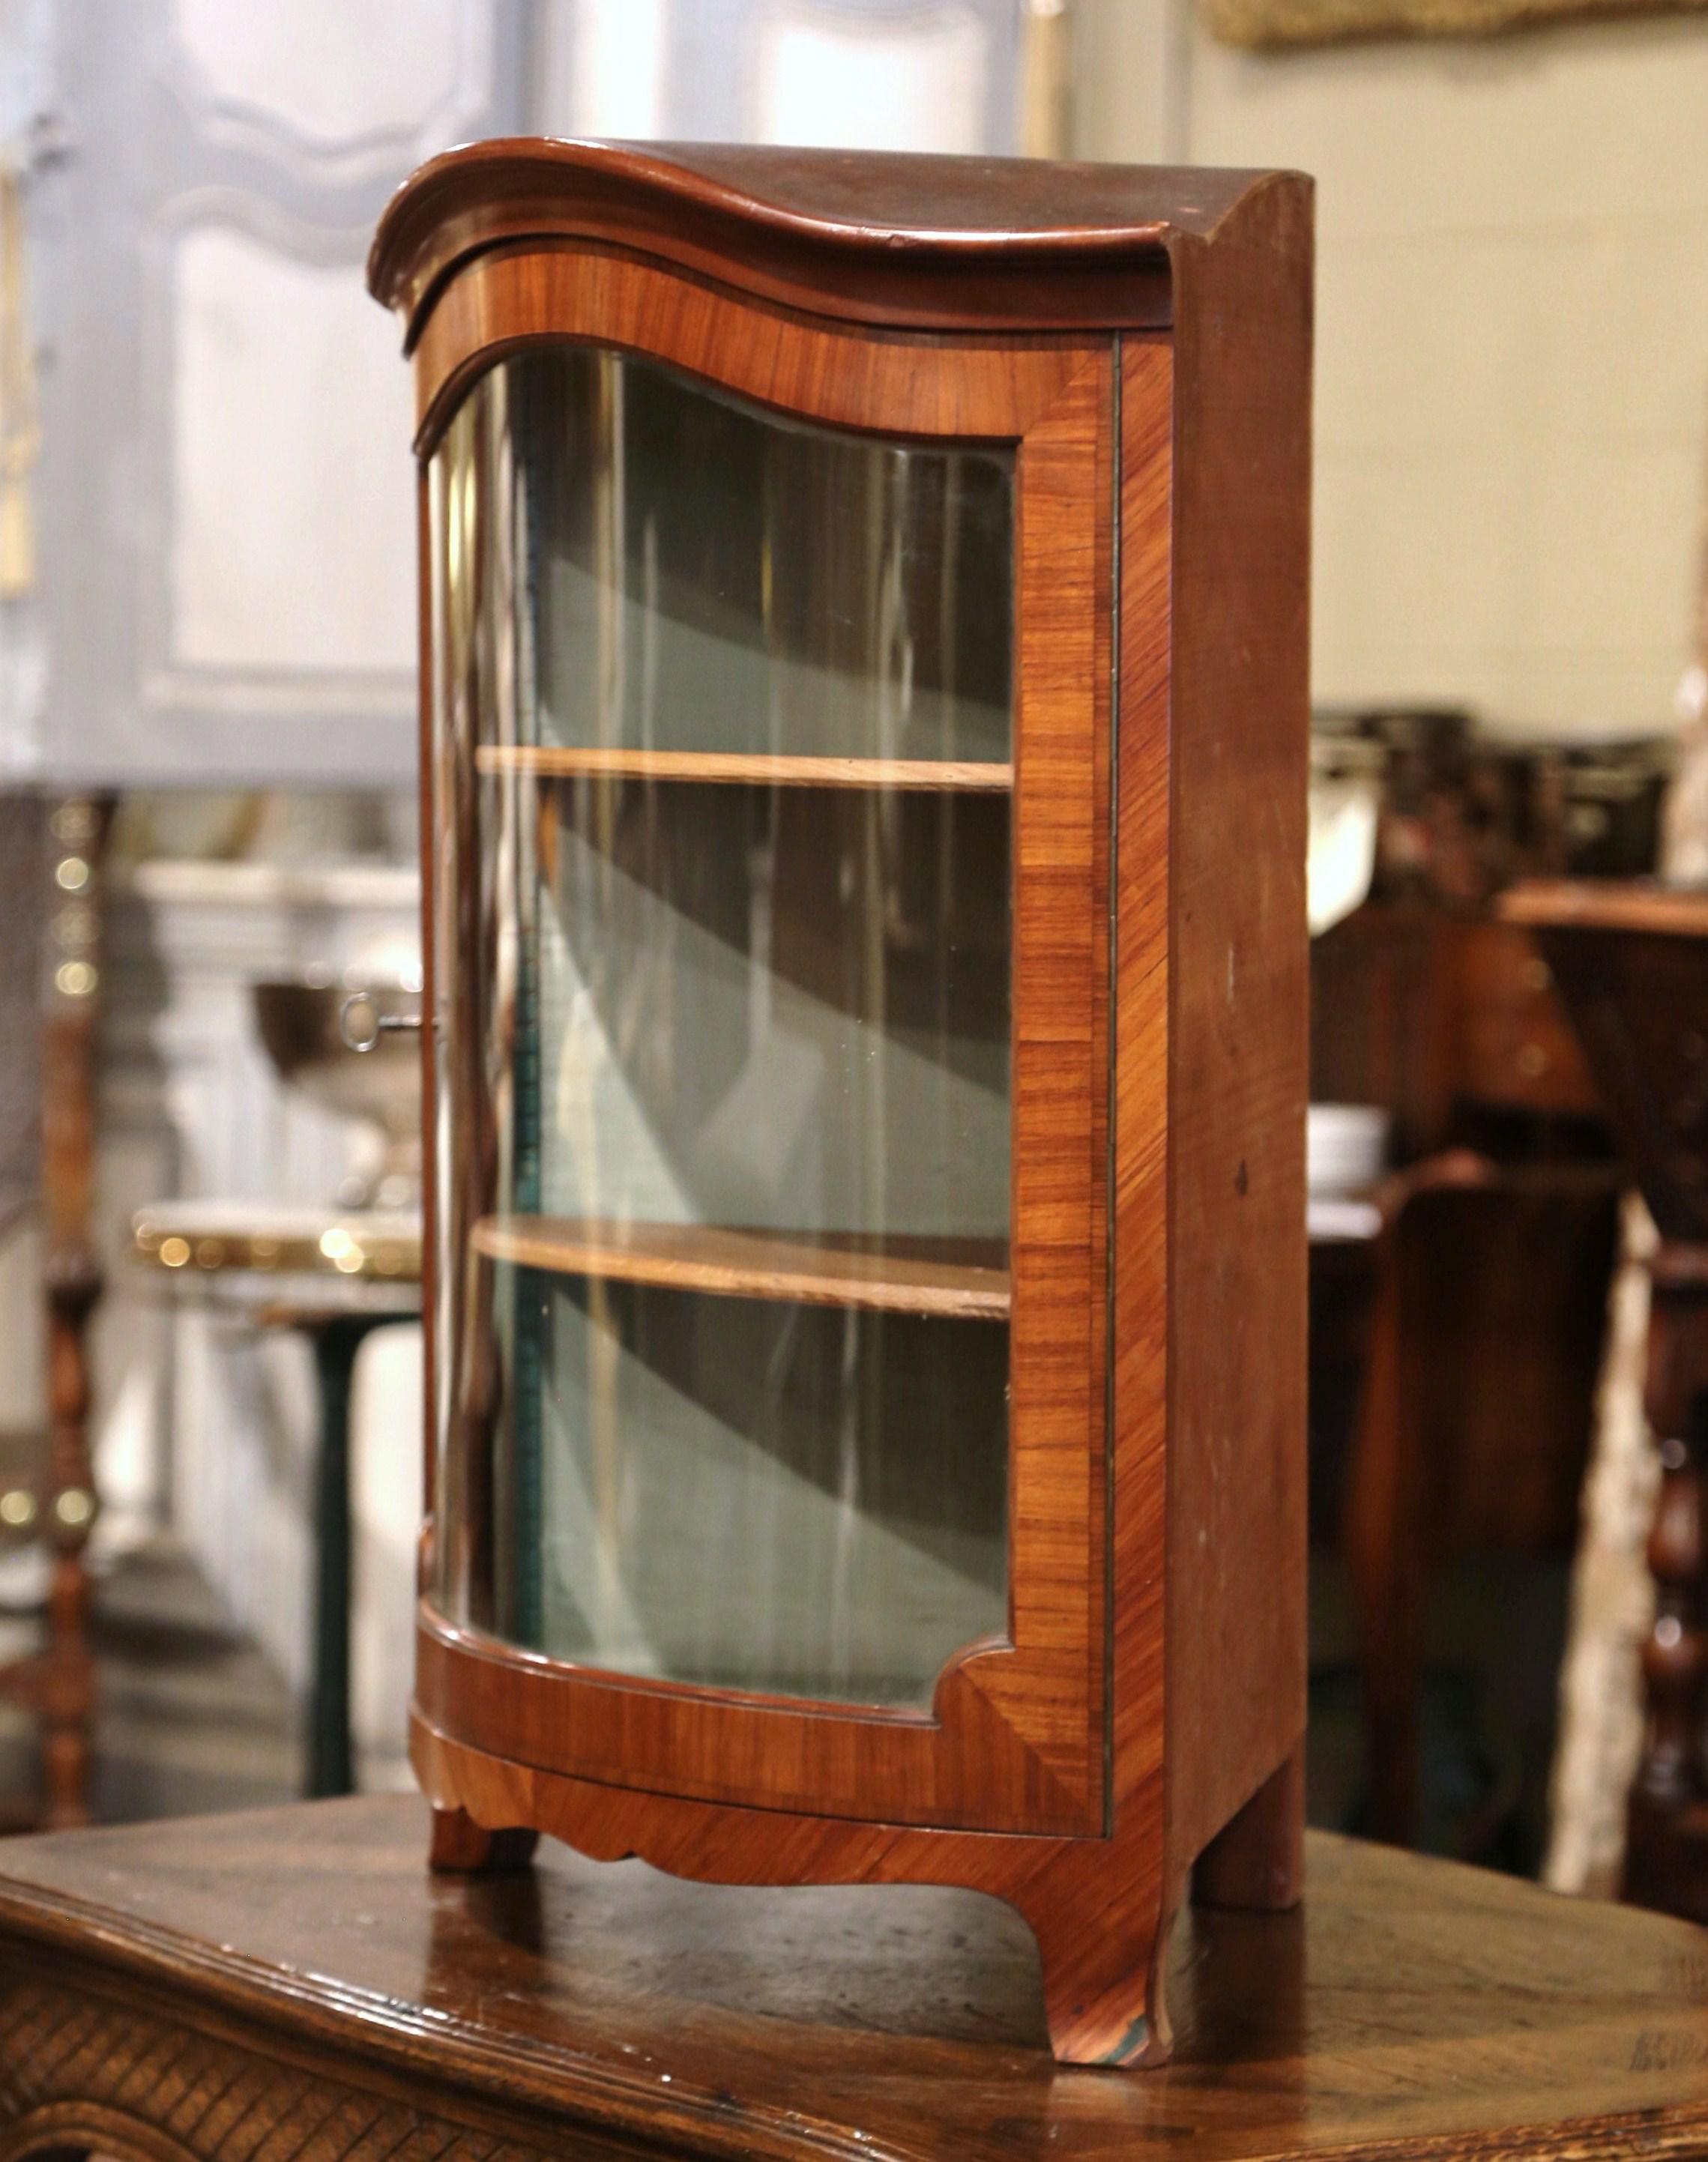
[(291, 1986)]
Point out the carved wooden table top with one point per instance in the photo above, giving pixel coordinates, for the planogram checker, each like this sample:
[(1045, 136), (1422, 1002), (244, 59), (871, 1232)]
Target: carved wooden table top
[(291, 1986)]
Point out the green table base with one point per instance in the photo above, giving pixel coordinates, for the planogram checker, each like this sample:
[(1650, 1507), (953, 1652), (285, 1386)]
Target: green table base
[(337, 1338)]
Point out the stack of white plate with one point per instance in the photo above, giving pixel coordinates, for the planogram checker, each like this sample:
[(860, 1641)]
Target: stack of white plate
[(1345, 1146), (1346, 1154)]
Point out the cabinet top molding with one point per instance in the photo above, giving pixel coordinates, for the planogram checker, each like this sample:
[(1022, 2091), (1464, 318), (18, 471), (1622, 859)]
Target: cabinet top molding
[(910, 241)]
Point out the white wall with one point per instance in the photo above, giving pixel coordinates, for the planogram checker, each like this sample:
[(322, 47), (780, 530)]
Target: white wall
[(1512, 341)]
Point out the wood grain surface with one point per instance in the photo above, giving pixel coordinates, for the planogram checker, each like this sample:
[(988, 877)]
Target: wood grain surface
[(1239, 993), (889, 1276), (972, 389), (739, 769), (292, 1982), (995, 242)]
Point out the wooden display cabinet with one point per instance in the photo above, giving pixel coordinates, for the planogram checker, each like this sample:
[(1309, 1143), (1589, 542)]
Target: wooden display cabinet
[(864, 738)]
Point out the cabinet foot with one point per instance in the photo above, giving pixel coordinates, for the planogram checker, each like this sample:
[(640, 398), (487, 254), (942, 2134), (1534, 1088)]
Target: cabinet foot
[(1102, 1946), (460, 1844), (1257, 1859), (1103, 2004)]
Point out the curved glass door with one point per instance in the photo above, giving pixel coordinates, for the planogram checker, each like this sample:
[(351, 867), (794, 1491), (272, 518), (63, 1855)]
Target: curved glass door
[(721, 781)]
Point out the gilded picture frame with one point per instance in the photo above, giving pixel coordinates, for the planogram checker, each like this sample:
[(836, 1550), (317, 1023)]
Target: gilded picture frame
[(1273, 24)]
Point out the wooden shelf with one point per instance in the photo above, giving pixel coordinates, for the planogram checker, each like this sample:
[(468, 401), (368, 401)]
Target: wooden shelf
[(743, 769), (960, 1279)]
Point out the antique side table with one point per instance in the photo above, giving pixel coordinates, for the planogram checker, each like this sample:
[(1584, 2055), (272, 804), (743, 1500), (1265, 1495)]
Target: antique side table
[(291, 1986), (335, 1279)]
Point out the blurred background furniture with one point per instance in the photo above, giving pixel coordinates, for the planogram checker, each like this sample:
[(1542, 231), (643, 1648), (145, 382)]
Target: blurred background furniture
[(52, 851), (1472, 1435), (1456, 1355), (1631, 963), (334, 1280)]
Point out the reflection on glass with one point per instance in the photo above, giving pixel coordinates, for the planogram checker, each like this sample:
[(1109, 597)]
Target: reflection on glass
[(722, 794)]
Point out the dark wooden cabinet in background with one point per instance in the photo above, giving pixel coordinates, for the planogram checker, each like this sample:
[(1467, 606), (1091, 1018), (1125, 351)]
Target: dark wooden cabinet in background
[(864, 743), (1456, 1355)]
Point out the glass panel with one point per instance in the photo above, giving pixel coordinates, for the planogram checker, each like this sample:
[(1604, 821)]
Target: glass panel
[(722, 793), (710, 578)]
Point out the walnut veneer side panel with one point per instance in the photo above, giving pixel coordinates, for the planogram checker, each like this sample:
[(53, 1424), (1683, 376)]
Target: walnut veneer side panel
[(1239, 1000)]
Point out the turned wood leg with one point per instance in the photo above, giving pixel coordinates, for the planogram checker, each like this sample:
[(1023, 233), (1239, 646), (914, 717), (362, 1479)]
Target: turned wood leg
[(1670, 1777), (66, 1678), (72, 1285), (460, 1844), (1258, 1859), (66, 1669)]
